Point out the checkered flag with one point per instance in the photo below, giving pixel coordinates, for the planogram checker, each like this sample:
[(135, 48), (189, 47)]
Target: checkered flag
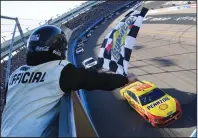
[(117, 46)]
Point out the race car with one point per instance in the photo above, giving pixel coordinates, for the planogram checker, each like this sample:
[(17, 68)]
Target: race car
[(89, 34), (84, 39), (90, 63), (154, 105), (79, 50), (80, 44)]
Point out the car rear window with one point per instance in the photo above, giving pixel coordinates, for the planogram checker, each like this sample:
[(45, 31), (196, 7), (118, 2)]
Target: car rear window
[(151, 96)]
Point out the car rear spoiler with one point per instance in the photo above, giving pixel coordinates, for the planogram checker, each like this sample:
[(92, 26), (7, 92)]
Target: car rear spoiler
[(129, 83)]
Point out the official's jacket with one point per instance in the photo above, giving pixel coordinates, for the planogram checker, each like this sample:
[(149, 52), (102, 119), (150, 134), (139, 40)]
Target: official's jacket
[(34, 92)]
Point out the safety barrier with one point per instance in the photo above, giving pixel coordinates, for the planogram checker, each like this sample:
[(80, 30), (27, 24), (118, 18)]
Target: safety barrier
[(66, 118)]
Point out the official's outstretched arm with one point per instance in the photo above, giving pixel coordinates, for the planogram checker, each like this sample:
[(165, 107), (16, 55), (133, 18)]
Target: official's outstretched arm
[(73, 78)]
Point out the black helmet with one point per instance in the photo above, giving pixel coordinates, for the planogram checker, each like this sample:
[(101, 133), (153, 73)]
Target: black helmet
[(47, 40)]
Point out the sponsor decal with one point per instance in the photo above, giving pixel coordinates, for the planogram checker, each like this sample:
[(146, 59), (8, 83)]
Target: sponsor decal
[(153, 105), (27, 77), (163, 106), (186, 18), (119, 37), (58, 53), (45, 48), (35, 37)]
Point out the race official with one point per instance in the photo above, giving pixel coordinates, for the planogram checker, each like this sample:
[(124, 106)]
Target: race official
[(34, 89)]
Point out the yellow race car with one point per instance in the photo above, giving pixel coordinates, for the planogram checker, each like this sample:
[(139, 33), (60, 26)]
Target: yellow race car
[(154, 105)]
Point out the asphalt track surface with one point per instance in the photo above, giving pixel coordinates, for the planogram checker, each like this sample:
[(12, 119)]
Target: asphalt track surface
[(165, 54)]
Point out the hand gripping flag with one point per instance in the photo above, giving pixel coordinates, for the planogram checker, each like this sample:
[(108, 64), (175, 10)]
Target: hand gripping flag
[(117, 46)]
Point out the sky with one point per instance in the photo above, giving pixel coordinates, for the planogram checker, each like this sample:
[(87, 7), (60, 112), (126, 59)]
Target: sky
[(31, 13)]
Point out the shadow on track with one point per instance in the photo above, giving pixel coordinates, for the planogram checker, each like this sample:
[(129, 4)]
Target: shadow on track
[(138, 47), (163, 62)]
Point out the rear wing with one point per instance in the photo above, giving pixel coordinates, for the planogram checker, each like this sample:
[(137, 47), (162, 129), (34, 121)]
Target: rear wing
[(128, 84)]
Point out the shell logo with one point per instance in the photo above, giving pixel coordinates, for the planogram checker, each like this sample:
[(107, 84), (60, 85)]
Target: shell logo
[(163, 106)]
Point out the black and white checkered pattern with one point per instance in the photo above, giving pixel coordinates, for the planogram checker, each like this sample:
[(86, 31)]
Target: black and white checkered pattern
[(105, 58)]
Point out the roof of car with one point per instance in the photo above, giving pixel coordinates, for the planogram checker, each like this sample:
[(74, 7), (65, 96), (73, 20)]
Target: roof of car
[(141, 87)]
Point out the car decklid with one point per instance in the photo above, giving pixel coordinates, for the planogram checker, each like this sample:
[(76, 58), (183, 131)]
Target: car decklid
[(163, 107)]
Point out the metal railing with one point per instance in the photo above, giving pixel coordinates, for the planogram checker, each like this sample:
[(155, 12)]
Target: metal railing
[(17, 25)]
